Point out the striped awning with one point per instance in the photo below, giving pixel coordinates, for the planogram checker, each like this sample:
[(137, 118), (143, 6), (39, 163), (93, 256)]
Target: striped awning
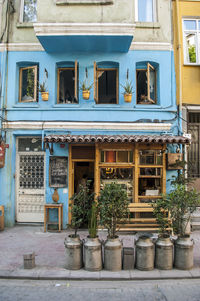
[(116, 138)]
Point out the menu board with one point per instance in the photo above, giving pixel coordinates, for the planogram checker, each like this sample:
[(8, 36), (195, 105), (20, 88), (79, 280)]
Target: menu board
[(58, 171)]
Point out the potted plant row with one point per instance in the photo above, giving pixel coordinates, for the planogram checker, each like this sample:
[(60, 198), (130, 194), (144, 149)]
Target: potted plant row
[(110, 210)]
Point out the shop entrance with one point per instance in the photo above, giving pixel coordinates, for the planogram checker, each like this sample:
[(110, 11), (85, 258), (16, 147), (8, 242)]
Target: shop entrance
[(83, 172)]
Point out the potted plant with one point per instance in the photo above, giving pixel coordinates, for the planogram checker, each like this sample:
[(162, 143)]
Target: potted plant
[(85, 88), (73, 244), (182, 202), (113, 210), (92, 246), (164, 246), (128, 91), (43, 91)]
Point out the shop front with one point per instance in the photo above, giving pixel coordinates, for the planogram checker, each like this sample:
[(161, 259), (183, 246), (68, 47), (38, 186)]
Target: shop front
[(136, 162)]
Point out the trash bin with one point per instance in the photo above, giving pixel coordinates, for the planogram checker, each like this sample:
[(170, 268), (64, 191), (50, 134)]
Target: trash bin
[(1, 218)]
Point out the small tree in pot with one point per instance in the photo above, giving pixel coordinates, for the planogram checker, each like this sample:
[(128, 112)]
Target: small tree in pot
[(79, 209), (182, 202), (92, 246), (113, 209), (164, 246)]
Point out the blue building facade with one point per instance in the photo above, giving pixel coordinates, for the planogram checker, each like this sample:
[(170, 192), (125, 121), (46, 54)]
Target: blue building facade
[(53, 144)]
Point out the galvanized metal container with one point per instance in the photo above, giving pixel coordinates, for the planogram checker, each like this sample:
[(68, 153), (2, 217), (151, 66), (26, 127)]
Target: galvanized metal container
[(144, 254), (164, 253), (93, 254), (183, 253), (113, 254), (73, 252)]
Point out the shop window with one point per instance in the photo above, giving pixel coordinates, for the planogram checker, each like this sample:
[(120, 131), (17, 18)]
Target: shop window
[(28, 11), (106, 84), (67, 89), (28, 78), (191, 32), (150, 175), (146, 85), (145, 10), (121, 156)]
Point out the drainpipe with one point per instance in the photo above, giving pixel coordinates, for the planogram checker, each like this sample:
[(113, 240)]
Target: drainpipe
[(179, 66)]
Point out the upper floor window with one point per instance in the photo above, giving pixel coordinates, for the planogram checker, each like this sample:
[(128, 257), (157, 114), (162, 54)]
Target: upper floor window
[(146, 79), (67, 80), (145, 10), (28, 11), (28, 78), (191, 31), (106, 83)]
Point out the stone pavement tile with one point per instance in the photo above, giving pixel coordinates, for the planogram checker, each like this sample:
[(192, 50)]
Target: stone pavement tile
[(195, 272), (83, 274), (25, 273), (104, 274), (53, 273), (137, 274), (174, 273)]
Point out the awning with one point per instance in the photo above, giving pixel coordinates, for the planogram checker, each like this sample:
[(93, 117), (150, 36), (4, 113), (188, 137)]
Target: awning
[(85, 37), (116, 138)]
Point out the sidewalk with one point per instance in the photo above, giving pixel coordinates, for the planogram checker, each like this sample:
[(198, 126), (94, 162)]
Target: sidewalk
[(50, 257)]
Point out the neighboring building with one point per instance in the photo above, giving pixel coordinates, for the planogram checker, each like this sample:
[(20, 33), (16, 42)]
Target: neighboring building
[(53, 143), (186, 16)]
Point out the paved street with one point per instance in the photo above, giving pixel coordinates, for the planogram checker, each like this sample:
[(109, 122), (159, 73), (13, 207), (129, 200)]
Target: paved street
[(166, 290)]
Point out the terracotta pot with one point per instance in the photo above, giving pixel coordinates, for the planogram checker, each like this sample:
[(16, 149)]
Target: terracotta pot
[(86, 94), (127, 97), (45, 96), (55, 196)]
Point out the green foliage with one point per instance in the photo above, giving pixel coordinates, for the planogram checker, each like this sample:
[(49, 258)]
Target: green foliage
[(30, 83), (128, 87), (81, 202), (92, 225), (160, 211), (42, 87), (85, 86), (113, 207), (192, 53)]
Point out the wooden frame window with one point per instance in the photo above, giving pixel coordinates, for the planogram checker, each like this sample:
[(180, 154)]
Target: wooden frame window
[(28, 77), (67, 84), (106, 85), (146, 85), (28, 11)]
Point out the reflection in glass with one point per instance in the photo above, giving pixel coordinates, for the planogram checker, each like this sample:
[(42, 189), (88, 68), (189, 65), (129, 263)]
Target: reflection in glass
[(145, 10), (28, 84), (191, 47), (152, 83), (190, 24), (30, 11)]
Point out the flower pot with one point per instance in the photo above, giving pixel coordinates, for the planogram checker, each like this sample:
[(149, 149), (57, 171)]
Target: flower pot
[(127, 97), (73, 252), (86, 94), (113, 254), (93, 254), (183, 253), (144, 254), (45, 96), (164, 253)]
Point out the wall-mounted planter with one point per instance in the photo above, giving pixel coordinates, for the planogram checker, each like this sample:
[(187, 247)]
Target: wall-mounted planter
[(45, 96), (127, 97), (86, 94)]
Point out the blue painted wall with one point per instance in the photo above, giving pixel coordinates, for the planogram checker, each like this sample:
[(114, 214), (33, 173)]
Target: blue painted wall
[(84, 111)]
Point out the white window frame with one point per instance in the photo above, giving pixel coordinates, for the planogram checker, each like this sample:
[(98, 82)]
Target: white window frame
[(197, 33), (154, 12), (21, 13)]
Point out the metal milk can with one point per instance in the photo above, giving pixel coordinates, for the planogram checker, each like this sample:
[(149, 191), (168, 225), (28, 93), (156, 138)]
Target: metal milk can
[(164, 253), (113, 254), (144, 254), (73, 252), (183, 253), (93, 254)]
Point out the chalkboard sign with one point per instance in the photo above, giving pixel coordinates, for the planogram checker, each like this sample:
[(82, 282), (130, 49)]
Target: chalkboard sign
[(58, 171)]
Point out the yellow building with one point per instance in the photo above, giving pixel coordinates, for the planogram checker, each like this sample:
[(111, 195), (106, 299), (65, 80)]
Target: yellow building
[(186, 20)]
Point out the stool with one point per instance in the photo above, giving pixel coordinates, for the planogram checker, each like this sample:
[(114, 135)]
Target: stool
[(1, 218), (59, 207)]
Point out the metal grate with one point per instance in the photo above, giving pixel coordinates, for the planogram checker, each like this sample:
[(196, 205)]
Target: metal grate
[(31, 172)]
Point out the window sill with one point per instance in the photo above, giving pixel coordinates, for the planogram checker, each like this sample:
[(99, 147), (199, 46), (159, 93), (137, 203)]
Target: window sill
[(147, 25), (192, 64), (64, 2), (64, 105), (26, 105), (24, 25)]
